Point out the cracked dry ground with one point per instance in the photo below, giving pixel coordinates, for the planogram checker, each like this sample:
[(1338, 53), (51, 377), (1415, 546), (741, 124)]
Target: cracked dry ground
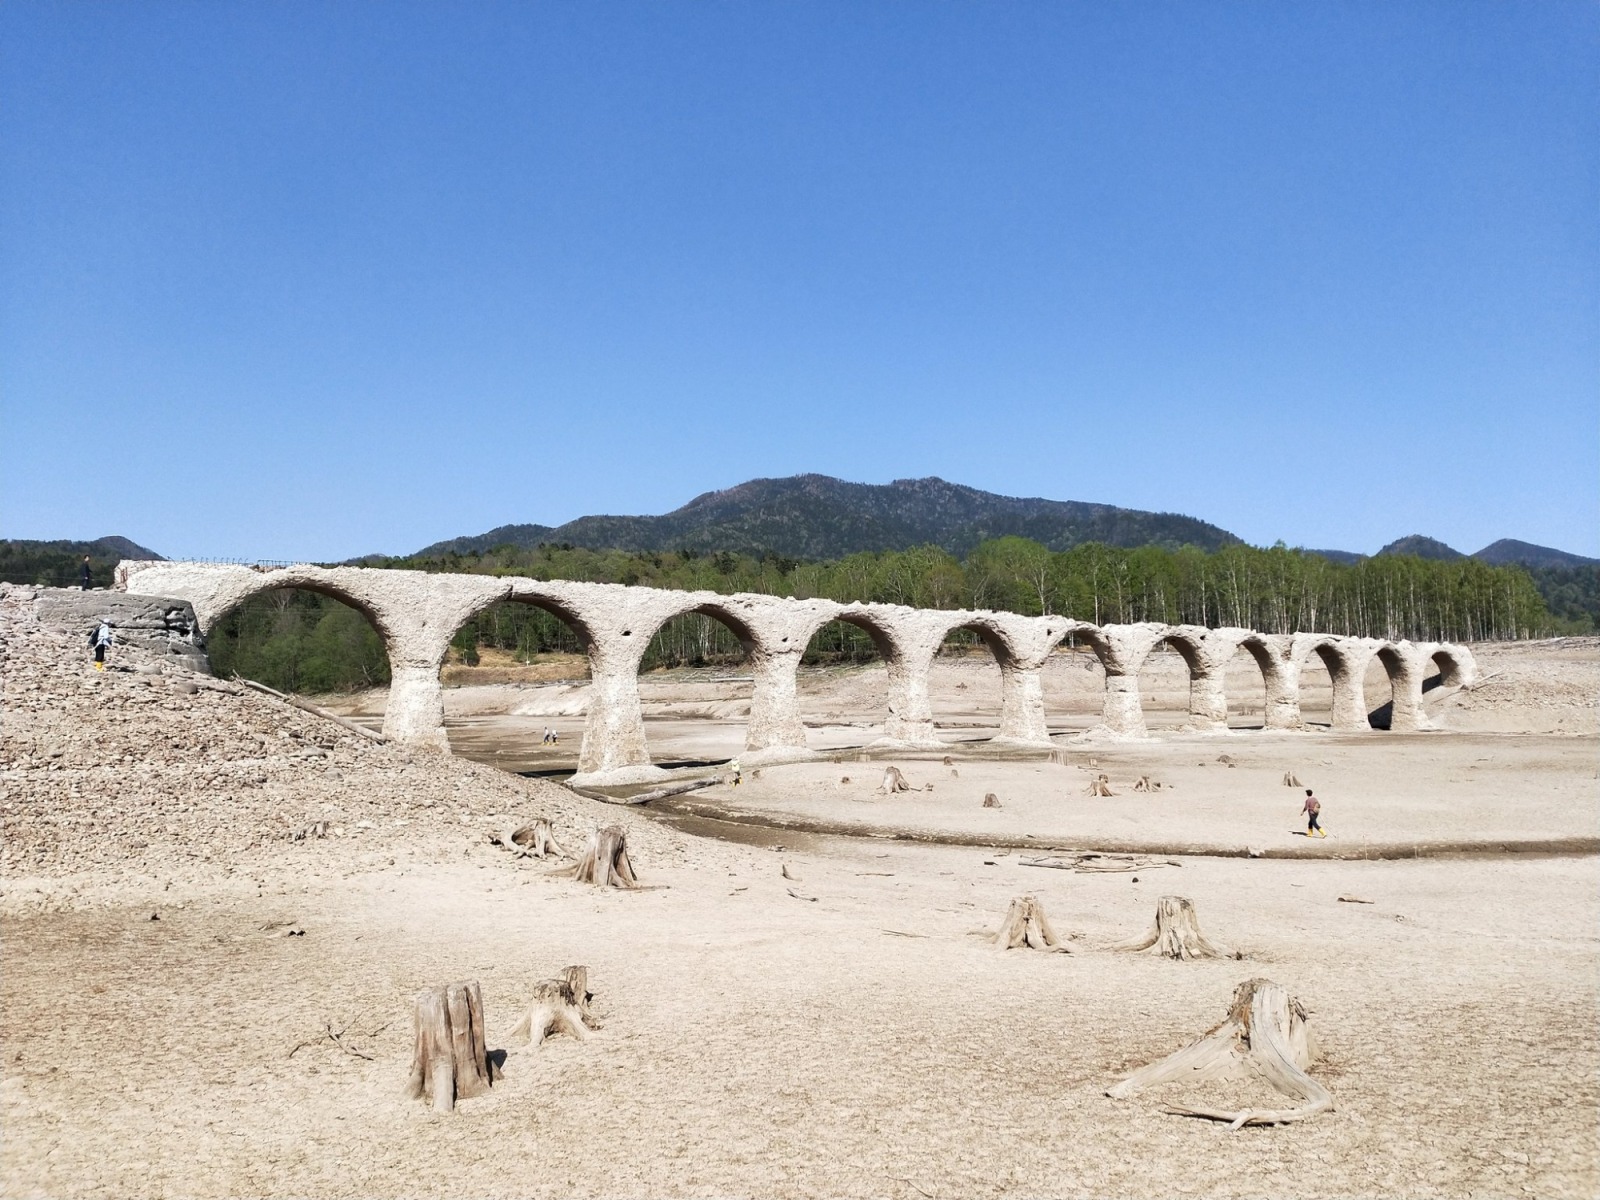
[(754, 1042)]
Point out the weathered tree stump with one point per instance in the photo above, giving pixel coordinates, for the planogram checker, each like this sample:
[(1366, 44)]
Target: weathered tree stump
[(559, 1005), (1264, 1035), (1100, 785), (1290, 779), (990, 800), (1176, 933), (1146, 784), (894, 781), (605, 862), (1026, 926), (451, 1061), (534, 840)]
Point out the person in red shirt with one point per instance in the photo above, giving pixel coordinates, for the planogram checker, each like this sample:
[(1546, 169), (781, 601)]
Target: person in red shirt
[(1313, 810)]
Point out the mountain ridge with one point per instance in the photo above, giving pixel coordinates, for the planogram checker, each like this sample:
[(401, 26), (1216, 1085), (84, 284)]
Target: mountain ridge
[(817, 516)]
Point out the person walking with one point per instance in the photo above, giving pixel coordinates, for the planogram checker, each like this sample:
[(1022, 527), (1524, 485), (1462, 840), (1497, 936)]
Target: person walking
[(1313, 810), (86, 574), (100, 641)]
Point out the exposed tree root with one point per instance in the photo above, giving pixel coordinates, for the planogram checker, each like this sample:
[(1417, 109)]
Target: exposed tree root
[(559, 1005), (1027, 926), (1176, 933), (534, 840), (605, 862), (1265, 1036), (894, 781)]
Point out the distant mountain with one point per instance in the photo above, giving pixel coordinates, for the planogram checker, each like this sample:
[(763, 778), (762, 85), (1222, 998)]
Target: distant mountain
[(522, 536), (818, 517), (1345, 558), (1423, 547), (58, 563), (1526, 554), (107, 547)]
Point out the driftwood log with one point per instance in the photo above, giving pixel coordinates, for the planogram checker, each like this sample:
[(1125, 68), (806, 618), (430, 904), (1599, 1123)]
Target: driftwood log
[(1176, 933), (533, 840), (605, 861), (1265, 1035), (1100, 785), (307, 706), (894, 781), (1026, 926), (559, 1005), (452, 1060), (661, 793)]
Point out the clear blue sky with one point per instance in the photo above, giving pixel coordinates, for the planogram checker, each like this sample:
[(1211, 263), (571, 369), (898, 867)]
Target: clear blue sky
[(312, 280)]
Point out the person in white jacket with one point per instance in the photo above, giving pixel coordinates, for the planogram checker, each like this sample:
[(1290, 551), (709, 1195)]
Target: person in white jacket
[(100, 640)]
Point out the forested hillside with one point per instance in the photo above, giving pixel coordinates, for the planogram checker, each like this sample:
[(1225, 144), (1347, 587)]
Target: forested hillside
[(58, 564), (313, 644), (819, 517)]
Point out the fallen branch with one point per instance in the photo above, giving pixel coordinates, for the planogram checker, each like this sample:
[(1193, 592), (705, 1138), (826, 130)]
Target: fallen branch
[(1098, 862), (307, 706), (676, 789)]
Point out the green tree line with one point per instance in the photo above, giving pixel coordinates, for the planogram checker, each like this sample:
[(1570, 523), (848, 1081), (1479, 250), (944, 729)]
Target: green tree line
[(314, 644)]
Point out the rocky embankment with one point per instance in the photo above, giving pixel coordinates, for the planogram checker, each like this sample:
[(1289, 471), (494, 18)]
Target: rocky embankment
[(149, 772)]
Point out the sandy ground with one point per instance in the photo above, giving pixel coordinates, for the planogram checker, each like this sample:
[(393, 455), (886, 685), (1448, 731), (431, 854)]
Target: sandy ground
[(843, 1031)]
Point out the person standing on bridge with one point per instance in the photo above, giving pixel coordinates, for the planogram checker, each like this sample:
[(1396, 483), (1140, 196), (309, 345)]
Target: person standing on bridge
[(1313, 810), (86, 574)]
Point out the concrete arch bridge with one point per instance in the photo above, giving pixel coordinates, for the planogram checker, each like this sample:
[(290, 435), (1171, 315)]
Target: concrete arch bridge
[(418, 613)]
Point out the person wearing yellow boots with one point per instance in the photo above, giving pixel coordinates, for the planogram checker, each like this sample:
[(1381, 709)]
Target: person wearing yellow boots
[(1313, 810), (100, 642)]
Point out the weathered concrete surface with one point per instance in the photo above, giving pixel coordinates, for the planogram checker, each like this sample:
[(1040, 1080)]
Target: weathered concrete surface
[(1408, 667), (160, 625), (417, 614)]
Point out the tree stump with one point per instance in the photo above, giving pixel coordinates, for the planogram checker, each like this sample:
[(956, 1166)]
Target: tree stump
[(1264, 1035), (894, 781), (559, 1005), (990, 800), (534, 840), (1290, 779), (1176, 933), (451, 1061), (1146, 784), (1026, 926), (1100, 785), (605, 862)]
